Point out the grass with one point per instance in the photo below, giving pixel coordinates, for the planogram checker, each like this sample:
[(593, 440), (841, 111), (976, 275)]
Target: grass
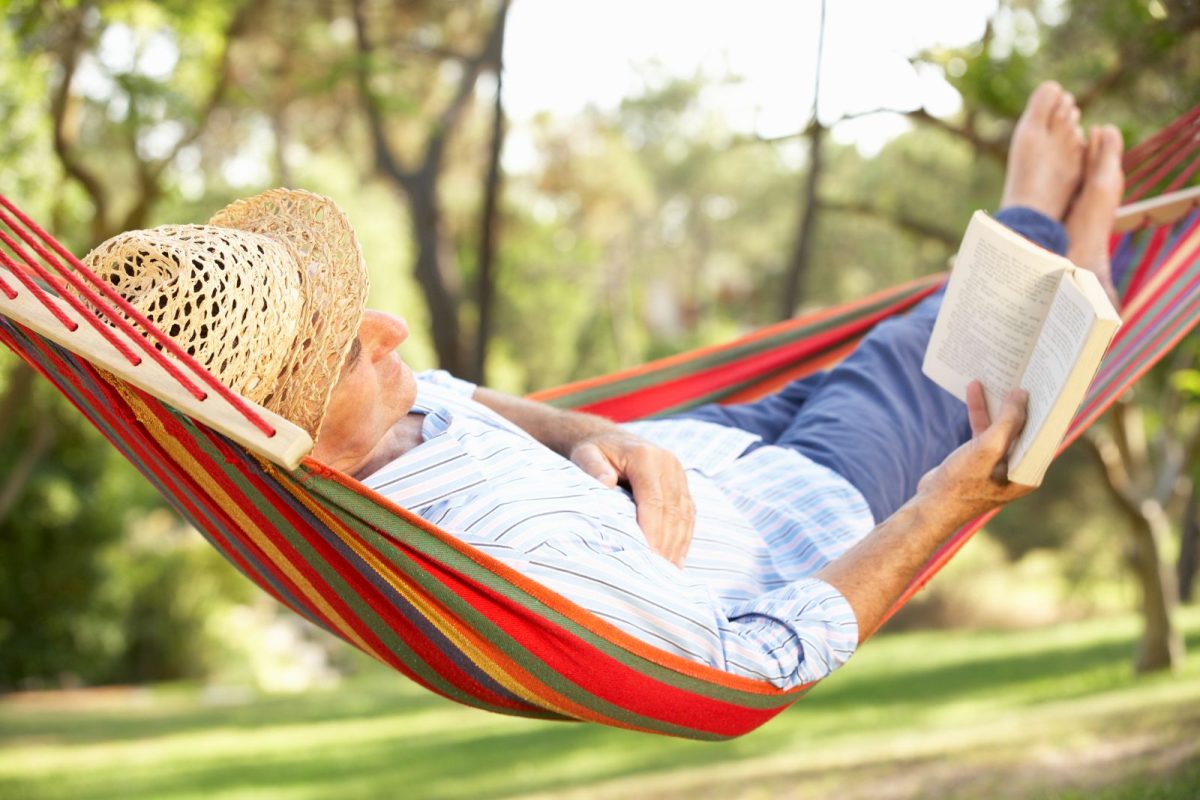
[(1051, 713)]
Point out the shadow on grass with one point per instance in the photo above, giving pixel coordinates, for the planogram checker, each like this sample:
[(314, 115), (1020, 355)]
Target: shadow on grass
[(131, 724), (1103, 665), (398, 765), (418, 745)]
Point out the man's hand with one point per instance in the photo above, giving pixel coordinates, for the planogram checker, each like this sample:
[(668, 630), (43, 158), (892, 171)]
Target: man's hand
[(974, 478), (971, 481), (665, 512), (611, 454)]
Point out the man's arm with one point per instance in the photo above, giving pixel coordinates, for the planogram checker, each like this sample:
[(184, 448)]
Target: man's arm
[(610, 454), (971, 481)]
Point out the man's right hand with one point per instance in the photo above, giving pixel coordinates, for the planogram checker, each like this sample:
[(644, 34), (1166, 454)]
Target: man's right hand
[(971, 481), (974, 478)]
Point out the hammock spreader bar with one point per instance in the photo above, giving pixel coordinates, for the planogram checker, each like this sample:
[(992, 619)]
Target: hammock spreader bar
[(447, 616)]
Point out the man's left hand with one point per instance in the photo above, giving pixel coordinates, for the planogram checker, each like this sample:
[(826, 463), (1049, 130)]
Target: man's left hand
[(665, 512)]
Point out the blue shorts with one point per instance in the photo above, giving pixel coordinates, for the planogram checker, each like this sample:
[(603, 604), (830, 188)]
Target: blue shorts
[(875, 419)]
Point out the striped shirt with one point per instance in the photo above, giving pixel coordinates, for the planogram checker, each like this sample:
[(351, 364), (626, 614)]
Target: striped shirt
[(745, 600)]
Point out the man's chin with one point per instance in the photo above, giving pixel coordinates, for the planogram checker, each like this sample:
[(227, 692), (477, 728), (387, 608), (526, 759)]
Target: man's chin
[(406, 389)]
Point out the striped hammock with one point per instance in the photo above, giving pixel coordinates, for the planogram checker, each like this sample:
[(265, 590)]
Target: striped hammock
[(444, 615)]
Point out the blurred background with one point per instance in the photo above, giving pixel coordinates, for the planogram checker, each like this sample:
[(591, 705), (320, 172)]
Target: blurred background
[(551, 190)]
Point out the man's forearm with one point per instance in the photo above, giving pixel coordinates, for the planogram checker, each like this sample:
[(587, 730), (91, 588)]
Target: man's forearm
[(557, 429), (971, 481), (872, 574), (611, 454)]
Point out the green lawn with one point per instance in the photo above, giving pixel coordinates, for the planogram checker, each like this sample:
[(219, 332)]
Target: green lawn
[(1033, 714)]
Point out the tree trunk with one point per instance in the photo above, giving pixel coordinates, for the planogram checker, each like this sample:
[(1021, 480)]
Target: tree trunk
[(436, 267), (793, 289), (438, 283), (489, 223), (1189, 549), (797, 270), (1125, 456), (1161, 647)]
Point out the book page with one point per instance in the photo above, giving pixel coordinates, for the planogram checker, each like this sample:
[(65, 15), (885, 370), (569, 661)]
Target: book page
[(1070, 320), (999, 293)]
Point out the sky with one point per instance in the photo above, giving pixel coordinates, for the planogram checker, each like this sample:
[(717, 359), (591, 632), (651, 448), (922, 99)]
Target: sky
[(562, 55)]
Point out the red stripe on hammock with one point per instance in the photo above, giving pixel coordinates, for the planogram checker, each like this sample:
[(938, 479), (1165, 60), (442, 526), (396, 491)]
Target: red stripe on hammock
[(606, 677), (362, 588), (1142, 273), (669, 394), (113, 408), (152, 331)]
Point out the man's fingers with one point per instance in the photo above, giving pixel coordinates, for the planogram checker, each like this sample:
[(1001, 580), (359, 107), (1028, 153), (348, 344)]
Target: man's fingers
[(657, 481), (590, 459), (1007, 427), (1012, 414), (651, 510), (1008, 423), (977, 410), (664, 505)]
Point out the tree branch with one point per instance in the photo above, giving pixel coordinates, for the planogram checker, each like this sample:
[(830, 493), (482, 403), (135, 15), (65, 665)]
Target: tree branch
[(995, 148), (1120, 485), (490, 54), (908, 224), (64, 112), (385, 158)]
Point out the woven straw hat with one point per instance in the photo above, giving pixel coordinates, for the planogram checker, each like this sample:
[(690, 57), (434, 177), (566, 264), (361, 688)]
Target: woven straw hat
[(268, 296)]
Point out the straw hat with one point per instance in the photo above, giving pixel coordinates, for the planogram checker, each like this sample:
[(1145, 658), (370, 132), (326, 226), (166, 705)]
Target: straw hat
[(268, 295)]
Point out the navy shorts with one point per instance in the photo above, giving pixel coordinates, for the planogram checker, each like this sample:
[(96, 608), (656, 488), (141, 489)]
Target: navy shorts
[(875, 419)]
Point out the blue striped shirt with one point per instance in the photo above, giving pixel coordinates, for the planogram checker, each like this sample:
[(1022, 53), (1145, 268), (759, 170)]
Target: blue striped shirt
[(745, 600)]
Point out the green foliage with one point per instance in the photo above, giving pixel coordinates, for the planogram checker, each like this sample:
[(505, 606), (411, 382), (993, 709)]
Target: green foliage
[(51, 577)]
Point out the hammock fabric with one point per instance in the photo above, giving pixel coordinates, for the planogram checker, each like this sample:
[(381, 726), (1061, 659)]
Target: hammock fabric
[(456, 621)]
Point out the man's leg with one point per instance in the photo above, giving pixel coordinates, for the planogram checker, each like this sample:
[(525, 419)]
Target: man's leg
[(877, 420), (775, 414)]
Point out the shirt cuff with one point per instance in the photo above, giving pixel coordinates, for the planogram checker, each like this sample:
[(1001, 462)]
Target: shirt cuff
[(808, 629)]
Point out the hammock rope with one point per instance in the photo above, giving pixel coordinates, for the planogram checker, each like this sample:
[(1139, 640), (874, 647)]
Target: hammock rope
[(454, 620)]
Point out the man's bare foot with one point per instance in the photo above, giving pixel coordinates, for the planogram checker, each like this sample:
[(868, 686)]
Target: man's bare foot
[(1045, 158), (1091, 219)]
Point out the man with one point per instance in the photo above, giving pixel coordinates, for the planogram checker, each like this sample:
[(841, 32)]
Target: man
[(765, 539)]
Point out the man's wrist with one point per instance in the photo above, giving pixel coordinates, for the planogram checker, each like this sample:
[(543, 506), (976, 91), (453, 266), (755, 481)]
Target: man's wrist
[(574, 428), (939, 508)]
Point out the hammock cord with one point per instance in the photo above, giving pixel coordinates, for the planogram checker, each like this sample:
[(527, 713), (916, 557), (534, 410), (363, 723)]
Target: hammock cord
[(102, 316)]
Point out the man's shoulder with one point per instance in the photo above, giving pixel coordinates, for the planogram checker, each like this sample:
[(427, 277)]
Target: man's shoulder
[(440, 379)]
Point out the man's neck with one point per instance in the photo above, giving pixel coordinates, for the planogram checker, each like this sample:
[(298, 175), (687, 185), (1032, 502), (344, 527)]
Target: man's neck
[(400, 439)]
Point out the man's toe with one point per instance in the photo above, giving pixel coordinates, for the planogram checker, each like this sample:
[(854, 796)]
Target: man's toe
[(1043, 102), (1063, 110)]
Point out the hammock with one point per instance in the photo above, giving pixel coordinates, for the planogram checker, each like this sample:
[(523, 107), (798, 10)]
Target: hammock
[(444, 615)]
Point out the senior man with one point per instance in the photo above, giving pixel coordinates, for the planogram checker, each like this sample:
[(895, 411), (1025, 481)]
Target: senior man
[(764, 539)]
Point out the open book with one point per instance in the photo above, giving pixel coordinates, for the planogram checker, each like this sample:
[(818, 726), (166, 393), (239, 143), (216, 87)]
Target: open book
[(1016, 314)]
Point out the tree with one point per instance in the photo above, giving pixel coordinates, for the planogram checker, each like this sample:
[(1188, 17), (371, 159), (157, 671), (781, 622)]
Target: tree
[(436, 266), (1147, 445)]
